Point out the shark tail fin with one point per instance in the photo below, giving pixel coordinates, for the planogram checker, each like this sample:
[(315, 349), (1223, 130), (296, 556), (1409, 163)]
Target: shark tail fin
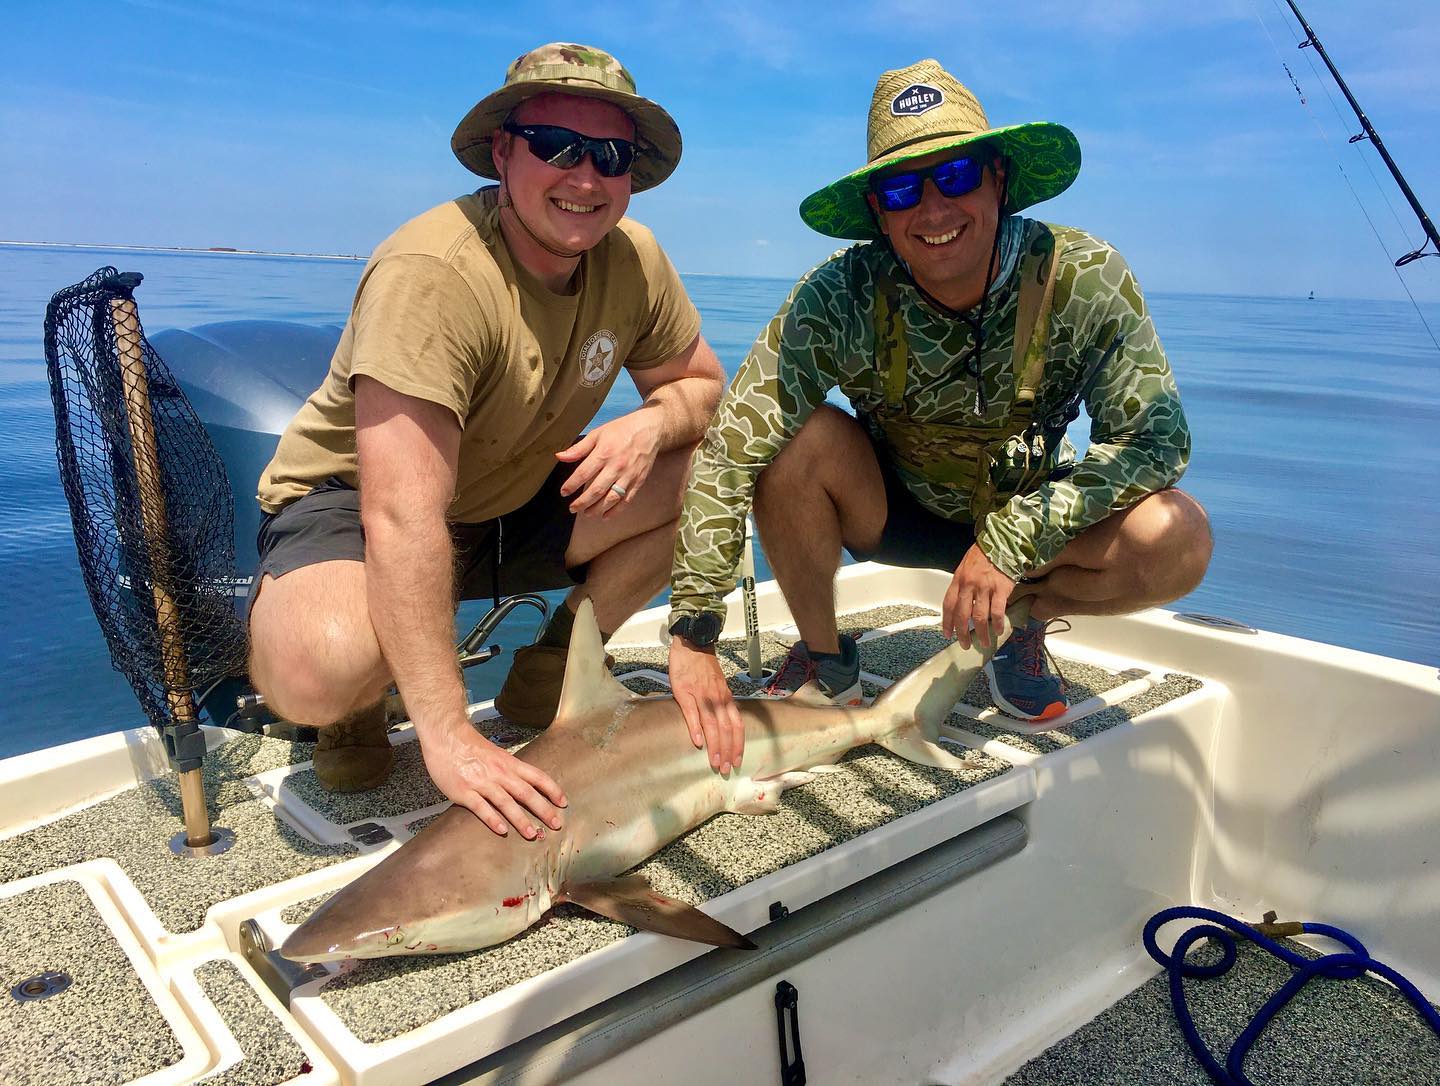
[(924, 697)]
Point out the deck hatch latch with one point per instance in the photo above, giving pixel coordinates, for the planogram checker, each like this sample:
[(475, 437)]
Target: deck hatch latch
[(787, 1000), (370, 833)]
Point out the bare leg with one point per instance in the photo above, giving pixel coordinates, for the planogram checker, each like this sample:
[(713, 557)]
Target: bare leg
[(629, 552), (314, 654), (825, 490), (1144, 555), (822, 492), (313, 651)]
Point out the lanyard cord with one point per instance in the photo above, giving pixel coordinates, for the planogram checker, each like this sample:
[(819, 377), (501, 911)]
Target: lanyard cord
[(505, 203), (976, 324)]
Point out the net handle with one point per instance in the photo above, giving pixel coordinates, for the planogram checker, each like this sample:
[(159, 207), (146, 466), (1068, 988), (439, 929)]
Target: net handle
[(145, 454)]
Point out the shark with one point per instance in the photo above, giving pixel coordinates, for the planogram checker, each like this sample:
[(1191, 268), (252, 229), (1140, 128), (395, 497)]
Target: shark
[(634, 782)]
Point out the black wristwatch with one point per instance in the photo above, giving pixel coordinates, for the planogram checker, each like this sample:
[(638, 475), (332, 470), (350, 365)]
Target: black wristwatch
[(700, 630)]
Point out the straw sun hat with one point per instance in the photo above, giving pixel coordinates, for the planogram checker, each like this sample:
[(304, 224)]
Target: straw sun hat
[(923, 109), (565, 68)]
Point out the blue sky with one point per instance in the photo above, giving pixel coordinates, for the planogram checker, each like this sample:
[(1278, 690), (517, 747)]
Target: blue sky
[(317, 127)]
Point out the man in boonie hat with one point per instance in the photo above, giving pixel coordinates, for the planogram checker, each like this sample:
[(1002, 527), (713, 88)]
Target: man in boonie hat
[(483, 338), (966, 338)]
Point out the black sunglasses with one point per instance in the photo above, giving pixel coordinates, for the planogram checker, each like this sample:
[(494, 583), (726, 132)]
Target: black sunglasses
[(563, 148), (902, 191)]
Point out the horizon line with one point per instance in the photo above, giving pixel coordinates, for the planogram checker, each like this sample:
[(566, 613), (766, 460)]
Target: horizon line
[(213, 250), (225, 250)]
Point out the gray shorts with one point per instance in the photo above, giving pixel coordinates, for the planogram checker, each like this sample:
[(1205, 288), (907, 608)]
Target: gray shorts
[(521, 551)]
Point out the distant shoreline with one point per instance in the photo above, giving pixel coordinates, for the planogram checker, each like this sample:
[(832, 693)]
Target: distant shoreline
[(214, 250)]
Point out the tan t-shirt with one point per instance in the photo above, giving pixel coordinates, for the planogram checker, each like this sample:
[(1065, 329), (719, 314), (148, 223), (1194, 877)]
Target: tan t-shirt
[(444, 314)]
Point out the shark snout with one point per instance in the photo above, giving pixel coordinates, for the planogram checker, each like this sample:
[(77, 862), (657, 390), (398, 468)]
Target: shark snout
[(313, 943)]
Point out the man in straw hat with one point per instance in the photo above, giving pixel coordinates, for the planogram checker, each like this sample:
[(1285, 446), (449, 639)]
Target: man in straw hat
[(440, 457), (966, 337)]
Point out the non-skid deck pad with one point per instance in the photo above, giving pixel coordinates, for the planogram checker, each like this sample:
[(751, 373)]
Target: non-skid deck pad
[(1335, 1033), (894, 655), (104, 1028), (407, 788), (271, 1054), (1171, 686), (384, 998), (135, 828), (732, 652)]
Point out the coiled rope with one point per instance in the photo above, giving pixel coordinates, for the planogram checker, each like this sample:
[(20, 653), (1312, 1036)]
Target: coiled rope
[(1343, 966)]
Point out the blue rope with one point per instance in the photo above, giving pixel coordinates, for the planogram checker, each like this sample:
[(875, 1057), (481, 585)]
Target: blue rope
[(1343, 966)]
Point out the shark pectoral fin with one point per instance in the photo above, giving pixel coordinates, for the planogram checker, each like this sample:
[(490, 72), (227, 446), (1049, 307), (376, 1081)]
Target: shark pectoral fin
[(910, 743), (630, 900)]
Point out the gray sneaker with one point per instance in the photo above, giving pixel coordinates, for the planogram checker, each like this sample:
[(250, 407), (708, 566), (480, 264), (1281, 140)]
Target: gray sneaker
[(837, 674), (1021, 680)]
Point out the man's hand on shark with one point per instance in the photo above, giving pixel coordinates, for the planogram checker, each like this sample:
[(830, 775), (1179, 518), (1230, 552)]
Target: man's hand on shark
[(975, 601), (636, 784), (499, 788), (708, 706)]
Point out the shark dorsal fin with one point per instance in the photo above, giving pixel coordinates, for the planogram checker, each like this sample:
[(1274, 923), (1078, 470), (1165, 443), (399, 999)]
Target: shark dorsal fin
[(588, 683)]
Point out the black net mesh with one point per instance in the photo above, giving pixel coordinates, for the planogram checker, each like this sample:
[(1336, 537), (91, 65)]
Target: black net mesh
[(149, 500)]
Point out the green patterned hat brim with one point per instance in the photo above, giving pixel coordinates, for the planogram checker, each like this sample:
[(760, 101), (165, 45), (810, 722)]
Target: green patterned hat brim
[(1044, 160)]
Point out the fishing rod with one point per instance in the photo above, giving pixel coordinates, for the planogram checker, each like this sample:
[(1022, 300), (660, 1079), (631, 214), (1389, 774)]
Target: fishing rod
[(1373, 136)]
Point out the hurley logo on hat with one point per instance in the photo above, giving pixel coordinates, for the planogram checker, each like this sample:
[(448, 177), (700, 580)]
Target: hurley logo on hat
[(916, 99)]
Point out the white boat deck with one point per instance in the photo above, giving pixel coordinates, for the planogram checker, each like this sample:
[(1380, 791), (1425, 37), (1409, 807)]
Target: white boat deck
[(942, 927)]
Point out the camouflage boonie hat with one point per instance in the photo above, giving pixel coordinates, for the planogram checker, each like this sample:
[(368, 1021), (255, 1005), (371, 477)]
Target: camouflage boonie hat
[(923, 109), (565, 68)]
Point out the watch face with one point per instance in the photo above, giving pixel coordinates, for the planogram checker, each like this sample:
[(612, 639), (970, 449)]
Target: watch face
[(705, 628)]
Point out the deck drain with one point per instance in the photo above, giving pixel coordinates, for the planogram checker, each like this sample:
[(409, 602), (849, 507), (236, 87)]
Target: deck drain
[(41, 987), (220, 841)]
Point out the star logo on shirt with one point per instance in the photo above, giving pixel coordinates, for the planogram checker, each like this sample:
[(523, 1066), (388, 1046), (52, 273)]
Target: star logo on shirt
[(597, 357)]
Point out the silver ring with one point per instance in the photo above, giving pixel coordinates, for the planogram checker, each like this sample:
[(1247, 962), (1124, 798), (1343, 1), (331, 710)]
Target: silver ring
[(618, 489)]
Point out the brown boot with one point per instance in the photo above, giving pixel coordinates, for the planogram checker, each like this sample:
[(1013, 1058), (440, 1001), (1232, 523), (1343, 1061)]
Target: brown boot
[(531, 693), (354, 754)]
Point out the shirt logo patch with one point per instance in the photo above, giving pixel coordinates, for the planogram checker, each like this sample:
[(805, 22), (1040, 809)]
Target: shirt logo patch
[(597, 357), (916, 99)]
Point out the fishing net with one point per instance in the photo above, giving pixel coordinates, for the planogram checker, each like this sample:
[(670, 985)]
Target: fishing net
[(150, 504)]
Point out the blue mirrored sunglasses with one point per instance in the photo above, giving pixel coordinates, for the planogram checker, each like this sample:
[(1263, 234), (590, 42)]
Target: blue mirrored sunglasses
[(564, 148), (902, 191)]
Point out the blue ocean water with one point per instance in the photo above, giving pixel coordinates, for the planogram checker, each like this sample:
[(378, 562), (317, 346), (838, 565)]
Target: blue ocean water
[(1315, 428)]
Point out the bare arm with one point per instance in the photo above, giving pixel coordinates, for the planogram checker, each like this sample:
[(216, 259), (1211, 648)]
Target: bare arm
[(679, 398), (408, 449)]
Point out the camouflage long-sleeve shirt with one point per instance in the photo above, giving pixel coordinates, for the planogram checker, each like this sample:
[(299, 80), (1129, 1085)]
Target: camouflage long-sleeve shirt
[(823, 337)]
